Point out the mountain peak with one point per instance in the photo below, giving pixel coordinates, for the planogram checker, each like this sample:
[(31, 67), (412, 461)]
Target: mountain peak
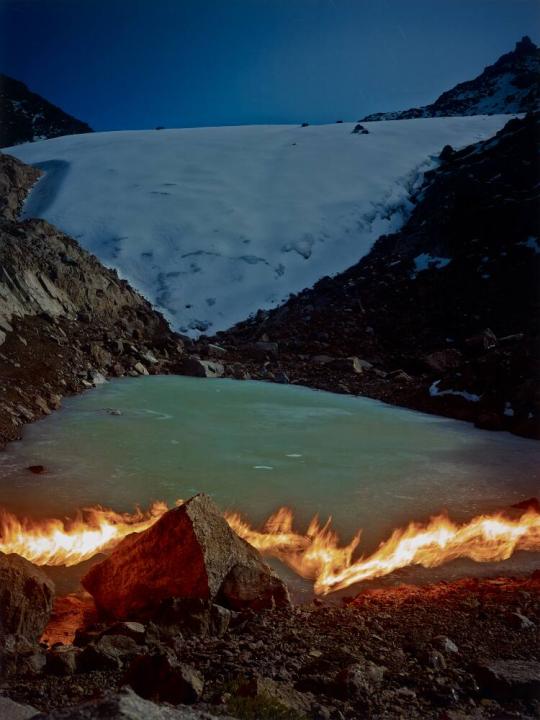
[(26, 116), (525, 46), (510, 85)]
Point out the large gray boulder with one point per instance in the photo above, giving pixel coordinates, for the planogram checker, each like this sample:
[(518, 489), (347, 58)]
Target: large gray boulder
[(196, 367), (509, 679), (126, 705), (26, 598), (160, 676), (11, 710), (188, 553)]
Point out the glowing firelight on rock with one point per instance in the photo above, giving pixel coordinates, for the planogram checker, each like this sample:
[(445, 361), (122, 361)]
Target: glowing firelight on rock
[(315, 555)]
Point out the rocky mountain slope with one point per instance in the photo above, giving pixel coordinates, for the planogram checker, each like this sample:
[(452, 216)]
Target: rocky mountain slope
[(26, 116), (510, 85), (66, 322), (442, 316)]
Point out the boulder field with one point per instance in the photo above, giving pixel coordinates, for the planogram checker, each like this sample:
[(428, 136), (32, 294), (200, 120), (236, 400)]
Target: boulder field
[(189, 622)]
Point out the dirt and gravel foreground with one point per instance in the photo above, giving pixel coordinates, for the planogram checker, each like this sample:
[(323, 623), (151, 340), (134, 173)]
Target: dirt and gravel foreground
[(467, 649)]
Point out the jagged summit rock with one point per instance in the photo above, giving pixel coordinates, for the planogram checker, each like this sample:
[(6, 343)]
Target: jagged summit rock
[(27, 117), (510, 85)]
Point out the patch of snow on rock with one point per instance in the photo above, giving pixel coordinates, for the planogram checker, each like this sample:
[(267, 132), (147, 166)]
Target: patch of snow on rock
[(435, 392)]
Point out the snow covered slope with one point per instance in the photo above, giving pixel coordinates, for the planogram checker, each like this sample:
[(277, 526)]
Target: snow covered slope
[(212, 224)]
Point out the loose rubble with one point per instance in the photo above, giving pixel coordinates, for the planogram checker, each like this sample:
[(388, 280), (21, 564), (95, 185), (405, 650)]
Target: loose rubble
[(445, 651)]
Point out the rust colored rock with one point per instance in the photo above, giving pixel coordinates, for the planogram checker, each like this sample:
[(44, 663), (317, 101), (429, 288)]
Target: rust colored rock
[(188, 553)]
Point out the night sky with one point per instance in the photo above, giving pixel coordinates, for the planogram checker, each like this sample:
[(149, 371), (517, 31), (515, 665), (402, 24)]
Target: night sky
[(178, 63)]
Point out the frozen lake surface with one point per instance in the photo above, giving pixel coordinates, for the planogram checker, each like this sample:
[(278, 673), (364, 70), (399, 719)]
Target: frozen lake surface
[(256, 446)]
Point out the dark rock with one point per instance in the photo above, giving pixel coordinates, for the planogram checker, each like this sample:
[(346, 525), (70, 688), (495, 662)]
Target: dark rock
[(348, 365), (110, 652), (443, 360), (216, 351), (252, 586), (507, 679), (360, 130), (447, 153), (26, 598), (281, 694), (36, 469), (62, 660), (486, 340), (263, 350), (11, 710), (435, 660), (126, 705), (134, 630), (200, 368), (517, 621), (20, 655), (359, 680), (191, 616), (444, 644), (490, 420), (161, 677)]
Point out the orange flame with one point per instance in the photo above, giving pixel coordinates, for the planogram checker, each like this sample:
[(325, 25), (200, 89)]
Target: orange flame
[(70, 541), (315, 555)]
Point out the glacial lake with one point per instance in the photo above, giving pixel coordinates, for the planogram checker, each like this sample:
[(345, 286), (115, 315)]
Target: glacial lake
[(256, 446)]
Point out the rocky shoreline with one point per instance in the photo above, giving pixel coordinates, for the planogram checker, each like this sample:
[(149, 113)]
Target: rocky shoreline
[(463, 294), (441, 317)]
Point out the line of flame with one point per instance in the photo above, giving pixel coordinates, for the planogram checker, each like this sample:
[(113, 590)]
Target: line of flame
[(72, 540), (316, 555)]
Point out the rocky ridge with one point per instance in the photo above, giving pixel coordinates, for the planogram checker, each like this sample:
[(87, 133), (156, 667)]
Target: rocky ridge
[(66, 322), (442, 316), (510, 85), (27, 117)]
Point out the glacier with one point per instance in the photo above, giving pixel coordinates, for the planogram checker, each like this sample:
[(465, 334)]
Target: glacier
[(213, 224)]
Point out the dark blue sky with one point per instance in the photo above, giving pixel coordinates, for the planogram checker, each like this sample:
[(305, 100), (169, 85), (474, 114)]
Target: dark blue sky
[(141, 63)]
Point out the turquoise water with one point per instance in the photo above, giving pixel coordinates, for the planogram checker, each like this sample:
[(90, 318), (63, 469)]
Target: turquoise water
[(256, 446)]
